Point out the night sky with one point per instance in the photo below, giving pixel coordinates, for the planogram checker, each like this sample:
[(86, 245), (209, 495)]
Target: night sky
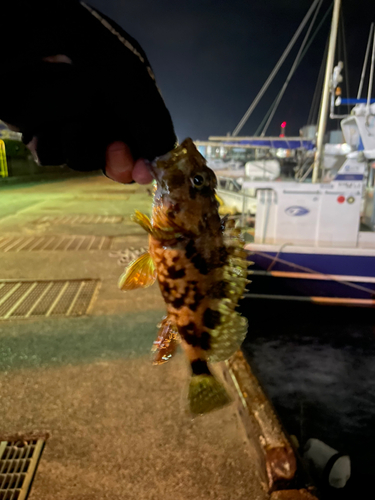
[(211, 57)]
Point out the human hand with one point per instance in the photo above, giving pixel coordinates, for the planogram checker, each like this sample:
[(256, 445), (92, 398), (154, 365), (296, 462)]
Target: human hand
[(81, 91), (121, 167)]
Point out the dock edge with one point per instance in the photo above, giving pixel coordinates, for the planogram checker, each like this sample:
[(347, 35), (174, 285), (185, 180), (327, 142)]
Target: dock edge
[(277, 460)]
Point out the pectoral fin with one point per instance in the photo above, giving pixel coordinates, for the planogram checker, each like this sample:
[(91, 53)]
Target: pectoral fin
[(142, 220), (159, 233), (140, 273)]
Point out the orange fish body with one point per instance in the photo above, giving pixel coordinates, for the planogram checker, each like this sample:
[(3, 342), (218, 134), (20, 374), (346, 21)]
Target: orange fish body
[(201, 268)]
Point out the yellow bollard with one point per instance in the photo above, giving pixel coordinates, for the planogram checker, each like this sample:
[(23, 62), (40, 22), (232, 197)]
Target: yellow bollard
[(3, 160)]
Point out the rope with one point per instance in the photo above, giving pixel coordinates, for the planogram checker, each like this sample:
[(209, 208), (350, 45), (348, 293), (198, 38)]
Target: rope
[(370, 80), (342, 56), (311, 271), (364, 67), (299, 60), (313, 114), (317, 92), (317, 29), (275, 70), (277, 256), (346, 68), (265, 118), (295, 65)]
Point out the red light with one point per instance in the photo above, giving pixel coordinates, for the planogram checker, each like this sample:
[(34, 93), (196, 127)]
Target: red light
[(341, 199), (283, 125)]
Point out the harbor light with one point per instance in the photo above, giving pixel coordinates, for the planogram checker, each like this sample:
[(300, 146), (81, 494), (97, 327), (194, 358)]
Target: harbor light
[(282, 131)]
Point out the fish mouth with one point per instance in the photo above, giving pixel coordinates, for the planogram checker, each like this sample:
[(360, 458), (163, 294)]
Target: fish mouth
[(154, 170), (161, 188), (158, 173)]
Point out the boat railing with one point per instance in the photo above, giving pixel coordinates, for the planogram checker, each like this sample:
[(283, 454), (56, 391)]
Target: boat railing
[(304, 170), (228, 183)]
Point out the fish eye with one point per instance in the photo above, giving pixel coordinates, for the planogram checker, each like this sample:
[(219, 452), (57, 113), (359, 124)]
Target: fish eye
[(198, 181)]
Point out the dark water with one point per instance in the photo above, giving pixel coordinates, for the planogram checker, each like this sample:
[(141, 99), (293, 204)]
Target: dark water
[(317, 364)]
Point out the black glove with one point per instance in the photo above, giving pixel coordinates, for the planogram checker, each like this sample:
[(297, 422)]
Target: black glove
[(76, 110)]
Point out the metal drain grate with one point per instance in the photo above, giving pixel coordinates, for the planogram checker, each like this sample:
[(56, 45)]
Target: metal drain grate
[(19, 458), (80, 219), (127, 255), (28, 299), (18, 244)]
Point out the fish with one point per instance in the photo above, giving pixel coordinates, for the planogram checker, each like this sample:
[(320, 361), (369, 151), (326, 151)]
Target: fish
[(199, 261)]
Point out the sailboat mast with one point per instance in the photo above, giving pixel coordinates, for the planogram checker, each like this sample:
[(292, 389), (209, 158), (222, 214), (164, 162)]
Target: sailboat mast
[(323, 113)]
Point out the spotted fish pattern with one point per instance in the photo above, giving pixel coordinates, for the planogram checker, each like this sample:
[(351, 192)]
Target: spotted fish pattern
[(201, 267)]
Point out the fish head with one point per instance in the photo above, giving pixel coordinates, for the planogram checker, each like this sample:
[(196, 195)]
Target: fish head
[(186, 189)]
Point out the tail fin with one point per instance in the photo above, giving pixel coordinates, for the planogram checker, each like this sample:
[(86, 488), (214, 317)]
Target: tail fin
[(206, 393)]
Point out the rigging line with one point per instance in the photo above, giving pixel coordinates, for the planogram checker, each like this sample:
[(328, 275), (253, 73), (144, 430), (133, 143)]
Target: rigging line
[(363, 74), (317, 29), (317, 91), (320, 76), (257, 132), (311, 271), (370, 80), (346, 67), (338, 54), (302, 56), (313, 114), (293, 68), (338, 49), (275, 70)]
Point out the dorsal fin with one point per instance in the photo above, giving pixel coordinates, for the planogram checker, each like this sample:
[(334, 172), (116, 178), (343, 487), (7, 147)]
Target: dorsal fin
[(228, 336)]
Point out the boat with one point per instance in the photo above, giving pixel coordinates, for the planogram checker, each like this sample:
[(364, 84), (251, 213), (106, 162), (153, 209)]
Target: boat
[(309, 243), (315, 241)]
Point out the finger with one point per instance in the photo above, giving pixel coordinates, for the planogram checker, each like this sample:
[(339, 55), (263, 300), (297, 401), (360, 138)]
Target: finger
[(32, 146), (119, 162), (141, 172)]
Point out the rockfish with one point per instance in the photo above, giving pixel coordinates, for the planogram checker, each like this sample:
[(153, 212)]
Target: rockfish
[(200, 264)]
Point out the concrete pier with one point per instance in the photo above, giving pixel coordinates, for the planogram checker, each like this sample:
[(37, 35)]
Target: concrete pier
[(118, 425)]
